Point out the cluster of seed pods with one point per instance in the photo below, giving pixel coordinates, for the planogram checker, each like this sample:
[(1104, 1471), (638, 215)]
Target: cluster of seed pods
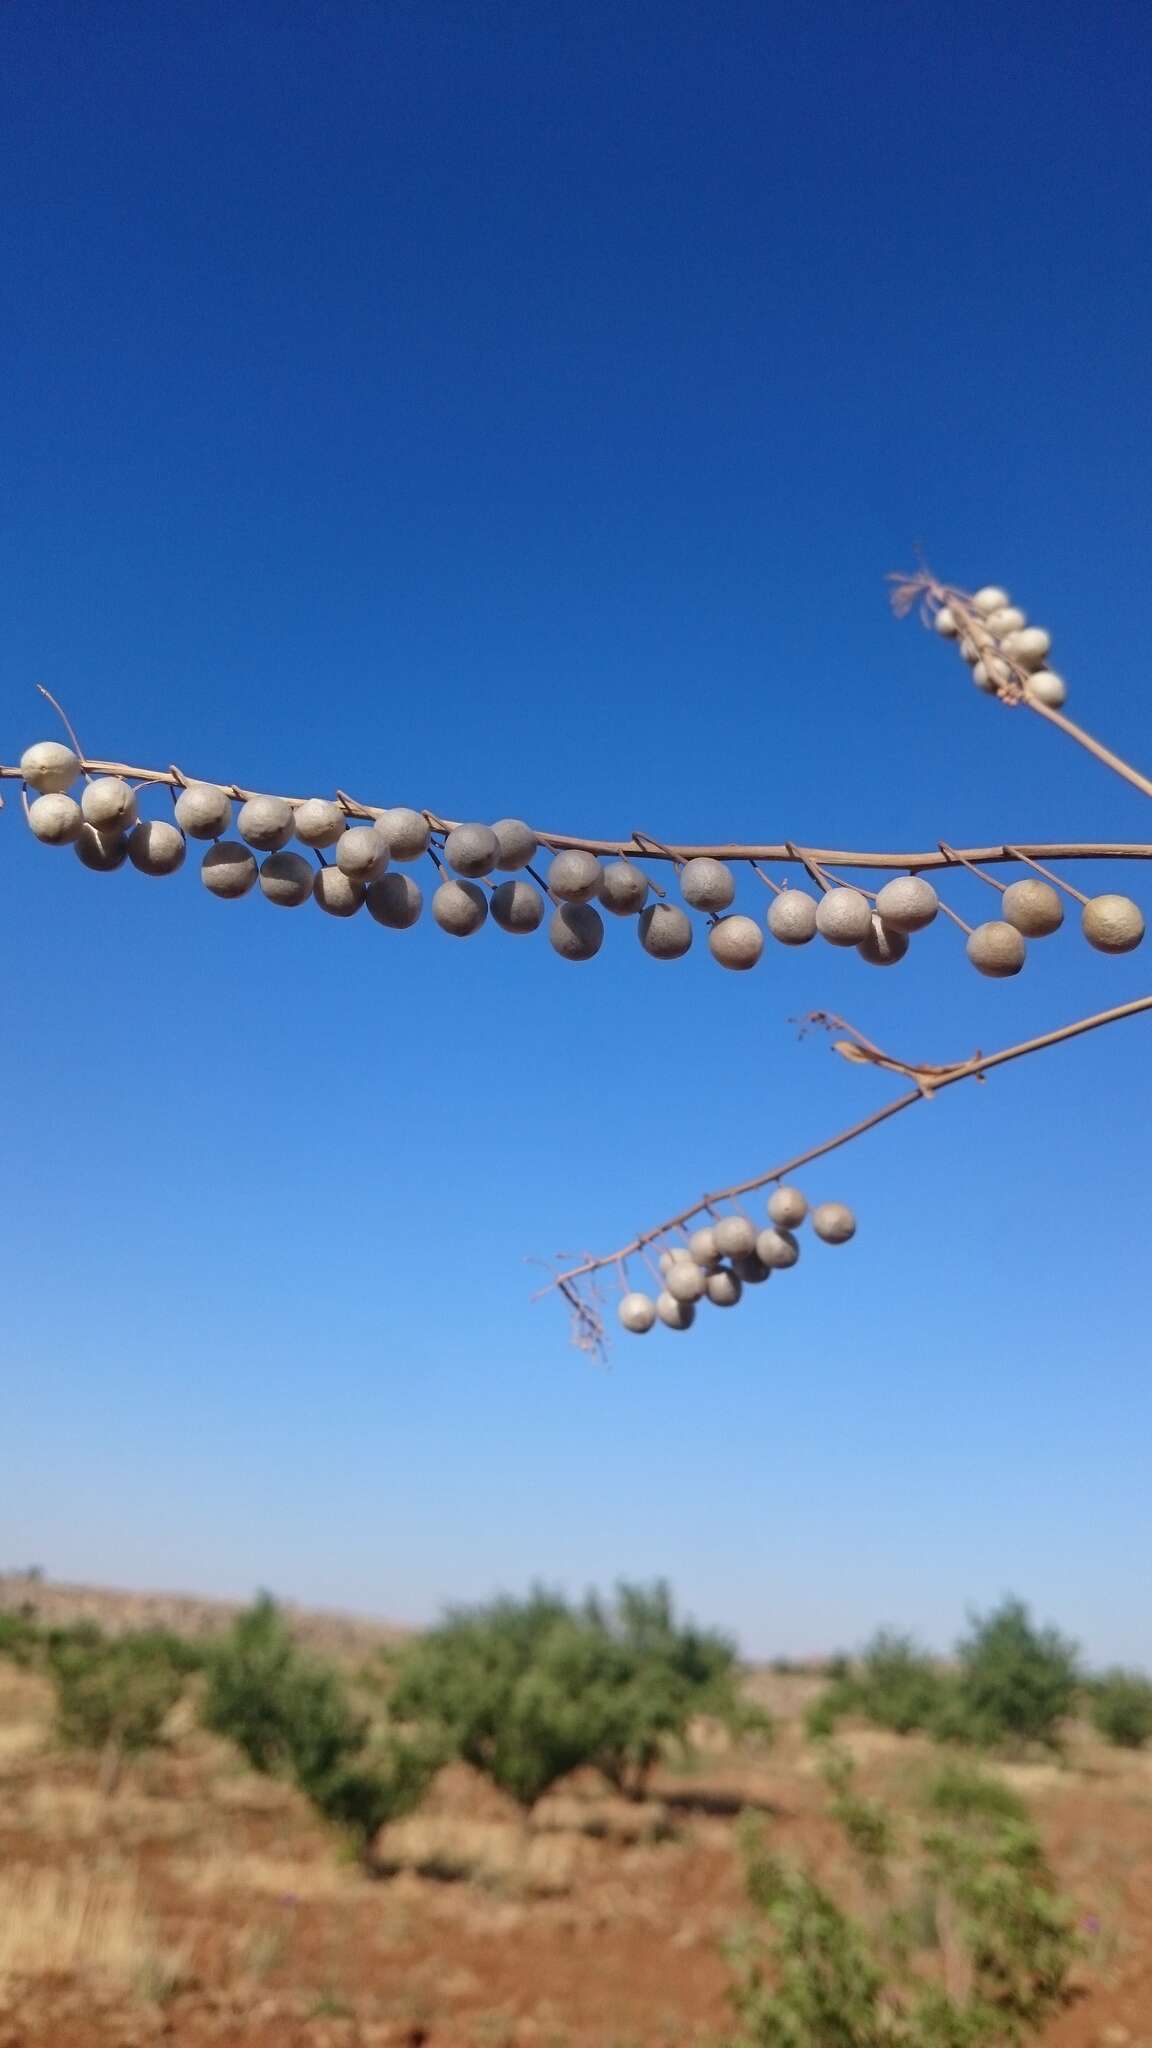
[(723, 1257), (1004, 652)]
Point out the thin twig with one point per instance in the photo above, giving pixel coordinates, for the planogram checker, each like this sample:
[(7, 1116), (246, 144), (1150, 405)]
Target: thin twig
[(1056, 880)]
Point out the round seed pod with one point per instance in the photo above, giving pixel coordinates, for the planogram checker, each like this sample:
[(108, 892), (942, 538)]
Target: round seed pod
[(844, 917), (975, 644), (884, 945), (574, 876), (362, 853), (228, 869), (665, 932), (266, 822), (576, 931), (983, 680), (834, 1222), (637, 1312), (907, 904), (1047, 688), (668, 1259), (1113, 924), (750, 1270), (518, 845), (49, 767), (395, 900), (55, 820), (1029, 647), (723, 1287), (472, 850), (702, 1246), (155, 847), (990, 599), (736, 942), (319, 821), (108, 804), (286, 879), (945, 623), (1007, 618), (990, 673), (407, 832), (337, 893), (684, 1280), (792, 917), (996, 949), (735, 1236), (517, 907), (203, 811), (777, 1249), (787, 1207), (459, 908), (675, 1315), (1034, 907), (707, 884), (102, 852), (623, 888)]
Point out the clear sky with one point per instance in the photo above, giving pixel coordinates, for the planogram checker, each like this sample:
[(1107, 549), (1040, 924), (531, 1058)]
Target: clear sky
[(507, 409)]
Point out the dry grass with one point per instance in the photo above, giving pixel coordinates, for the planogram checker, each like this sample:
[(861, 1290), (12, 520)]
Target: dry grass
[(74, 1922), (489, 1852), (279, 1877)]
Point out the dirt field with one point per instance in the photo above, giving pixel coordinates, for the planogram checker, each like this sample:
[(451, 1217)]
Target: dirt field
[(203, 1904)]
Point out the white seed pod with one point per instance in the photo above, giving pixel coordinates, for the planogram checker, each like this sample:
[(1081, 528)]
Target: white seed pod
[(707, 884), (575, 877), (319, 821), (407, 832), (991, 673), (395, 900), (990, 599), (637, 1312), (517, 907), (266, 822), (787, 1207), (459, 908), (203, 811), (750, 1271), (736, 942), (844, 917), (685, 1280), (777, 1249), (1047, 688), (1029, 647), (975, 644), (155, 847), (362, 853), (1034, 907), (735, 1236), (1113, 924), (996, 949), (228, 869), (102, 852), (945, 623), (337, 893), (723, 1288), (1007, 618), (55, 820), (702, 1246), (983, 680), (286, 879), (669, 1258), (623, 888), (792, 917), (834, 1222), (884, 945), (472, 850), (49, 767), (108, 804), (675, 1315), (518, 845), (576, 931), (665, 932), (907, 904)]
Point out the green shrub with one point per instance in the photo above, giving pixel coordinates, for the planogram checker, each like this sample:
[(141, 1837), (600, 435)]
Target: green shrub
[(19, 1637), (113, 1695), (1121, 1708), (894, 1684), (1016, 1682)]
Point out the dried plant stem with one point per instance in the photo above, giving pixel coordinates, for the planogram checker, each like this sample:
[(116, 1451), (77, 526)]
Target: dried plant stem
[(1094, 747)]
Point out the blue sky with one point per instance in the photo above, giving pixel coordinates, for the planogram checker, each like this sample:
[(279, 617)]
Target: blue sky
[(510, 410)]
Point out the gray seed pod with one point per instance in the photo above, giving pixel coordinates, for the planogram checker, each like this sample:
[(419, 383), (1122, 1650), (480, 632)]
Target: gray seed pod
[(266, 822), (707, 884), (1034, 907), (55, 820), (518, 845), (517, 907), (723, 1288), (665, 932), (337, 893), (675, 1315), (49, 767), (623, 888), (1046, 687), (1007, 618), (203, 811), (395, 900), (228, 869), (472, 850), (844, 917), (736, 942), (98, 851), (108, 804), (945, 623), (1113, 924), (668, 1259), (362, 853), (787, 1207), (735, 1236), (751, 1271), (996, 949), (907, 904), (777, 1249), (155, 847), (459, 908), (990, 599), (637, 1312), (576, 931), (684, 1280), (286, 879), (702, 1246), (834, 1222), (319, 821), (884, 946), (574, 876), (407, 832), (792, 917)]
